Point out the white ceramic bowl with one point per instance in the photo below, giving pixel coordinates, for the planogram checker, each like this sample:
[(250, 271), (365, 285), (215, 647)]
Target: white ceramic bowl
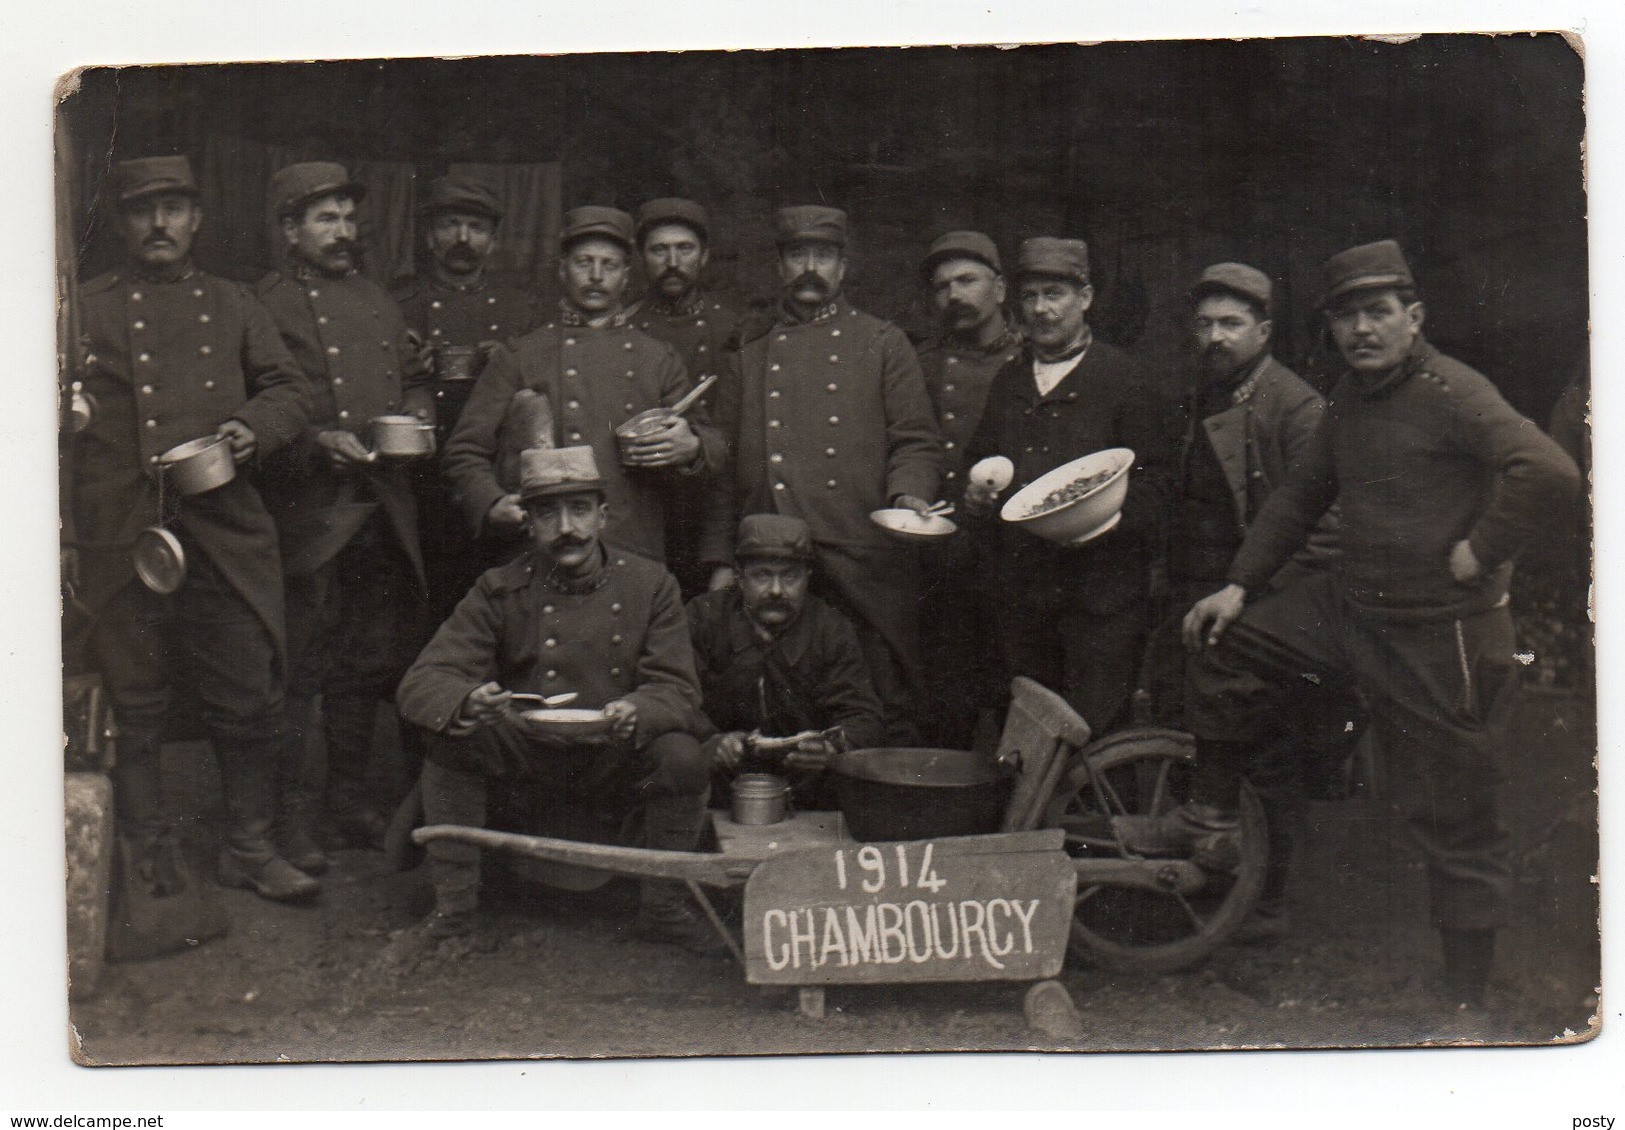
[(906, 524), (1081, 518), (567, 722)]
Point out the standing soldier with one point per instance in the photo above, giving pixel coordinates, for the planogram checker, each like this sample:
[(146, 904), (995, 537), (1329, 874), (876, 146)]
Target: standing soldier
[(832, 421), (458, 312), (673, 237), (592, 370), (348, 518), (1439, 484), (173, 355), (1073, 618), (966, 282)]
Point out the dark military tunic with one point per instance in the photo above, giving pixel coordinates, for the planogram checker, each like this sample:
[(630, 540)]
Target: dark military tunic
[(351, 342), (704, 332), (622, 638), (958, 375), (833, 422), (167, 363), (595, 378)]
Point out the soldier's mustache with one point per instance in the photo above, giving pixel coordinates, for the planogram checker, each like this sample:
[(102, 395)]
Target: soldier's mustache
[(673, 273), (810, 279), (955, 311), (157, 239), (343, 247)]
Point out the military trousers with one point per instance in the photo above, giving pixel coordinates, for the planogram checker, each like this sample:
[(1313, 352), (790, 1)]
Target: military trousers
[(1436, 691)]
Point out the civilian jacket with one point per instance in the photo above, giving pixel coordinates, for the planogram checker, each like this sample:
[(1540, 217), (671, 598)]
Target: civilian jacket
[(351, 343), (810, 677), (623, 638), (1417, 459), (166, 363)]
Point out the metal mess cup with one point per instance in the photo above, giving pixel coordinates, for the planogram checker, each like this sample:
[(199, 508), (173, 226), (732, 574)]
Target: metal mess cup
[(645, 423), (199, 465), (760, 798), (455, 362), (405, 436)]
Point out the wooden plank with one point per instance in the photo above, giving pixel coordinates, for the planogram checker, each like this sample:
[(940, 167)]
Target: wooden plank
[(931, 910), (798, 830), (1040, 734)]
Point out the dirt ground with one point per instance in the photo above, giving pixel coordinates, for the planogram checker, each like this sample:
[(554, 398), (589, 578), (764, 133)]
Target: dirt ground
[(558, 974)]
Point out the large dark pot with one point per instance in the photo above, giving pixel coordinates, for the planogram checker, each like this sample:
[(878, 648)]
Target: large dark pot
[(919, 794)]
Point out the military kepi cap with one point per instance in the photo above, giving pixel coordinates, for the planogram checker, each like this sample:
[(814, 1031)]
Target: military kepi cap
[(961, 245), (297, 185), (673, 210), (546, 471), (1381, 264), (460, 194), (594, 219), (151, 176), (1054, 258), (812, 223), (774, 535), (1235, 278)]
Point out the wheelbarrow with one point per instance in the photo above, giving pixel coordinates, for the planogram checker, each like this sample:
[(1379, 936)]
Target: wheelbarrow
[(1073, 807)]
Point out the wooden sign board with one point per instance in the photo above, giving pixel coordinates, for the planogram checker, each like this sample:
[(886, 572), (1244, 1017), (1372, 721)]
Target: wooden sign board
[(967, 908)]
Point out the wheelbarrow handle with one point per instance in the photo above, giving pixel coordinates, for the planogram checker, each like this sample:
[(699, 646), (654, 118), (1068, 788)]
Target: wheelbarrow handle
[(710, 869)]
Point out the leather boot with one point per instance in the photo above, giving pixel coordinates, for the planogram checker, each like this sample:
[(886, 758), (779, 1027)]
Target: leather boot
[(139, 806), (666, 913), (293, 831), (248, 860)]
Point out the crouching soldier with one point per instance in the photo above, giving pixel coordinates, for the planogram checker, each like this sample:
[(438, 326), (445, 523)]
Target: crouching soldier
[(567, 615), (775, 661)]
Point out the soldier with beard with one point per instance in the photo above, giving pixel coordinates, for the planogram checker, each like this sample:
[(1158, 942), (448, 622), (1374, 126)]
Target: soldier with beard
[(348, 520)]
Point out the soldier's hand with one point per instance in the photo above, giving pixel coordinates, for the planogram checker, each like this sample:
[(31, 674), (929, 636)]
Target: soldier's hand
[(810, 756), (506, 513), (1464, 564), (979, 497), (485, 705), (343, 449), (1208, 618), (727, 749), (623, 718), (911, 502), (242, 439), (674, 445), (422, 350), (723, 577)]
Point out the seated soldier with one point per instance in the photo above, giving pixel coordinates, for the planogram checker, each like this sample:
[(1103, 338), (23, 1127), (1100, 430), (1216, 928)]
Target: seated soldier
[(567, 615), (775, 661)]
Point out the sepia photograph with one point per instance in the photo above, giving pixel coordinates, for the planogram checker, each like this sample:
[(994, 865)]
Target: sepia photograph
[(1046, 547)]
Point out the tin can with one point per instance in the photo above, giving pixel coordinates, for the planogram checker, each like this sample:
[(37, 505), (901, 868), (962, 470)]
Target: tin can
[(760, 798)]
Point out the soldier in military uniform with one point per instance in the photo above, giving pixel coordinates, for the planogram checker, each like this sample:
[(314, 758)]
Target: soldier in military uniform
[(965, 278), (1439, 484), (832, 421), (458, 311), (776, 660), (673, 238), (590, 370), (570, 614), (171, 355), (348, 518)]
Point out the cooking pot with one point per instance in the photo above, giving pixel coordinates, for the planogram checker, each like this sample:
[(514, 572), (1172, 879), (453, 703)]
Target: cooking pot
[(405, 436), (919, 794), (199, 465), (456, 362)]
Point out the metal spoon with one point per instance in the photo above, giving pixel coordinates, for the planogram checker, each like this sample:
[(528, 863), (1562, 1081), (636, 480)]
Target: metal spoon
[(548, 700)]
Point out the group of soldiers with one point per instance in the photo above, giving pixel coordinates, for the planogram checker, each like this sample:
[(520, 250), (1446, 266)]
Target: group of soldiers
[(715, 576)]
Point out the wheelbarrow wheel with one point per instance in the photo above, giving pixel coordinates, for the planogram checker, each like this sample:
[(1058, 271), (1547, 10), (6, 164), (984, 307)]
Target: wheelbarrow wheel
[(1141, 773)]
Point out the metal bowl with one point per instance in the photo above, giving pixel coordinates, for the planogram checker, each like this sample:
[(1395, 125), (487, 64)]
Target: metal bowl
[(159, 560), (1083, 518), (199, 465), (910, 526), (919, 794), (567, 722), (402, 436)]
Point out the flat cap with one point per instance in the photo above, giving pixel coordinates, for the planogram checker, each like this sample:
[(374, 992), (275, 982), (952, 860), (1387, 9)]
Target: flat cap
[(961, 245), (774, 535), (1055, 258), (460, 194), (546, 471), (673, 210), (594, 219), (1235, 278), (297, 185), (809, 222), (1380, 264), (150, 176)]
